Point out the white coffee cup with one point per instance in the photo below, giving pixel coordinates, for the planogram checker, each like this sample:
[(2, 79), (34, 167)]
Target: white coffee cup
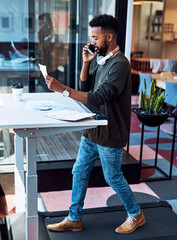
[(17, 90)]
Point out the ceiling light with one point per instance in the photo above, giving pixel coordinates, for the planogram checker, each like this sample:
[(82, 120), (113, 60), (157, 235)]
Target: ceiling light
[(137, 3)]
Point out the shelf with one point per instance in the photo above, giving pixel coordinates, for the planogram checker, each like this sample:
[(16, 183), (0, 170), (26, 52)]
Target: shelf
[(170, 41)]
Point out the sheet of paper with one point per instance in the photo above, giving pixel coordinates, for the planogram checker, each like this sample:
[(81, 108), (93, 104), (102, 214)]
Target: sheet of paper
[(39, 105), (44, 105), (43, 69), (69, 115)]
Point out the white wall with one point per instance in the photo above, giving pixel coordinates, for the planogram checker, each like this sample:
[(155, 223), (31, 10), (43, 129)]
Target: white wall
[(171, 12), (151, 48), (169, 48)]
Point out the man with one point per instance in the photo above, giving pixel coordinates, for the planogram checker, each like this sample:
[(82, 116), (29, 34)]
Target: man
[(110, 86)]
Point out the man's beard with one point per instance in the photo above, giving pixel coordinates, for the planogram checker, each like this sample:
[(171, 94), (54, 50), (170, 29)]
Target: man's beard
[(103, 49)]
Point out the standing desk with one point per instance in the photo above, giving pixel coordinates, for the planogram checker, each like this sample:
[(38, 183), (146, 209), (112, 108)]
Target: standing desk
[(30, 124)]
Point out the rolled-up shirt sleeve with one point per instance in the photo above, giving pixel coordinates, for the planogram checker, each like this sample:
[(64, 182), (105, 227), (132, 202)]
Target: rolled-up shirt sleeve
[(111, 87), (85, 86)]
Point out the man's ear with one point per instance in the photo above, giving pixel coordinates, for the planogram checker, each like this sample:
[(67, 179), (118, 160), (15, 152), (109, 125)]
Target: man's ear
[(110, 37)]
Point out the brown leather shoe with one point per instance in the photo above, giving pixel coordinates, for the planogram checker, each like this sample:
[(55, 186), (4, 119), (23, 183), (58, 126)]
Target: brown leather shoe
[(131, 224), (66, 225)]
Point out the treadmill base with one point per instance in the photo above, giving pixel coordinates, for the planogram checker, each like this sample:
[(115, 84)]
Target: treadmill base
[(100, 223)]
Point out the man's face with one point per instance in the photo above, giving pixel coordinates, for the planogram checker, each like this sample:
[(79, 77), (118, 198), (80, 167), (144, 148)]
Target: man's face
[(98, 39)]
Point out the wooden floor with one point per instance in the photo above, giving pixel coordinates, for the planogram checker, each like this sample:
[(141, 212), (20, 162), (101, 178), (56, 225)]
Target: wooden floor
[(58, 147), (49, 148), (55, 156), (58, 152)]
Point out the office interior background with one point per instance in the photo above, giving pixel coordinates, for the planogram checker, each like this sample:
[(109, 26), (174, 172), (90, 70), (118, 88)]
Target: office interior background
[(25, 41), (53, 33)]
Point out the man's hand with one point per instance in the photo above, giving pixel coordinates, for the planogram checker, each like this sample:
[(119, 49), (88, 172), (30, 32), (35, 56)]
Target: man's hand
[(87, 57), (54, 85)]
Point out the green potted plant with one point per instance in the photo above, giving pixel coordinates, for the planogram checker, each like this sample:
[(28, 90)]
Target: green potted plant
[(151, 111)]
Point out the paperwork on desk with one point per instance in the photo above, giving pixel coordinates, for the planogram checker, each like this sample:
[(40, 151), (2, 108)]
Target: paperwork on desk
[(58, 111), (69, 115), (41, 105)]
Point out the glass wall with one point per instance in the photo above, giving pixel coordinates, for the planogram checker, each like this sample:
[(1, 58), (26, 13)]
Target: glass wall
[(46, 32), (50, 32), (14, 35)]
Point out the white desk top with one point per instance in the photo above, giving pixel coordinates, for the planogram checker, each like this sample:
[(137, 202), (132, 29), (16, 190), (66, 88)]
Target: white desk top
[(15, 115)]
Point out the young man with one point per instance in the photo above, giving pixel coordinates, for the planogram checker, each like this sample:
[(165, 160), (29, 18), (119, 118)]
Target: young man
[(110, 86)]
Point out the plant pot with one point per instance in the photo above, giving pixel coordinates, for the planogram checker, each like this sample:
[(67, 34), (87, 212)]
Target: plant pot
[(151, 120)]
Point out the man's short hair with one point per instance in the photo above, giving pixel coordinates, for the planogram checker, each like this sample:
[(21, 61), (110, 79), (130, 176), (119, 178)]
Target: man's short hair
[(106, 22)]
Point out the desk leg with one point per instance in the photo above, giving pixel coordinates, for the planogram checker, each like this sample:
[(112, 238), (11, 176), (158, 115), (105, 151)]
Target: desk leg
[(19, 175), (31, 190)]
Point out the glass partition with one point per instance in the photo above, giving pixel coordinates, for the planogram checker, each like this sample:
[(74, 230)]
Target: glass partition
[(14, 54), (47, 32), (53, 33)]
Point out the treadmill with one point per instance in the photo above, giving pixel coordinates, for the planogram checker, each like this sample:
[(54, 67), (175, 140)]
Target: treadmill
[(100, 223)]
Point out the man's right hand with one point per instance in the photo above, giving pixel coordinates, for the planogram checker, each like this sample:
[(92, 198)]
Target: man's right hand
[(87, 57)]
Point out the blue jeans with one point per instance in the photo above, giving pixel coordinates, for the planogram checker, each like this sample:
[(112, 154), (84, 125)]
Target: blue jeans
[(111, 159)]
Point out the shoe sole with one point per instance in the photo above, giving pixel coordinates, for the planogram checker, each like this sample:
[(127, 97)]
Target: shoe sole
[(140, 224), (64, 230), (77, 230)]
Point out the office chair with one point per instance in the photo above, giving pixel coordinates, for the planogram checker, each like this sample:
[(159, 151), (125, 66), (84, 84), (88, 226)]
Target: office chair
[(143, 76), (171, 100), (171, 93)]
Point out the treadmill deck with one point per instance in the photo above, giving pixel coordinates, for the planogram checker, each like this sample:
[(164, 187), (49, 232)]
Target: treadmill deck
[(100, 223)]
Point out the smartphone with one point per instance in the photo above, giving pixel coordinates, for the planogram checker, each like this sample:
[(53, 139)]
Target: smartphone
[(91, 49)]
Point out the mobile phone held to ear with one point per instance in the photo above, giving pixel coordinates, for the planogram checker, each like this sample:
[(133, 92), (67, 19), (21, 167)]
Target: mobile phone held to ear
[(91, 49)]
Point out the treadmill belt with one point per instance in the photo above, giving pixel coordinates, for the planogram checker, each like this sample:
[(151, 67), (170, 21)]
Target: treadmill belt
[(100, 223)]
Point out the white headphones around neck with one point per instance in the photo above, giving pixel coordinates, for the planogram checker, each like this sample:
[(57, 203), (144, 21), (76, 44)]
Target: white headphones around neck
[(101, 60)]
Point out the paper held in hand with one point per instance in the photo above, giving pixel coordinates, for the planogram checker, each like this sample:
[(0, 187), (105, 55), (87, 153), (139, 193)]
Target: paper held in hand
[(69, 115), (43, 69)]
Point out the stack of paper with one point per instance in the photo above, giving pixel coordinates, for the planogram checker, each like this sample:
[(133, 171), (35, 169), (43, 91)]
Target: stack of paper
[(69, 115)]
